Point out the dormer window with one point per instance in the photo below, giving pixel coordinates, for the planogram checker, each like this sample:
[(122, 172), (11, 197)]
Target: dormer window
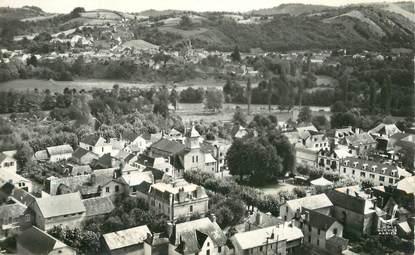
[(355, 164), (374, 168), (364, 166), (384, 170)]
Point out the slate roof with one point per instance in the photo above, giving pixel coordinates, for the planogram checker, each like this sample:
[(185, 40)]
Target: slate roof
[(127, 237), (319, 220), (98, 206), (193, 233), (60, 149), (93, 139), (80, 152), (312, 202), (373, 166), (37, 241), (41, 155), (135, 179), (170, 147), (385, 129), (143, 187), (359, 139), (192, 133), (53, 206)]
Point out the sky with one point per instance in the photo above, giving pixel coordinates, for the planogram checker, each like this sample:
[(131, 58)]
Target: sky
[(65, 6)]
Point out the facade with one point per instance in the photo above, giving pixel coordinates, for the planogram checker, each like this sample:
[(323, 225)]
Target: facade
[(67, 210), (380, 173), (178, 200), (318, 228), (281, 239), (7, 161), (201, 236), (95, 144), (126, 242), (330, 159), (34, 241), (360, 144), (17, 180), (354, 209)]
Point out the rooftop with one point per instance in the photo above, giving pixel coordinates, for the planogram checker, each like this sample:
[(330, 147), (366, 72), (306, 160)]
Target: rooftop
[(127, 237), (167, 146), (98, 206), (60, 149), (311, 202), (37, 241), (53, 206)]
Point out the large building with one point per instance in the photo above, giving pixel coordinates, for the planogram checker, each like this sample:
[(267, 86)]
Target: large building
[(178, 200), (319, 203), (379, 173)]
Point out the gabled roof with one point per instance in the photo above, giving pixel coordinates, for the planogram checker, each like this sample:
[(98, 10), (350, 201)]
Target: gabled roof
[(37, 241), (60, 149), (258, 237), (129, 136), (12, 210), (127, 237), (359, 139), (384, 129), (321, 182), (98, 206), (53, 206), (193, 133), (93, 140), (312, 202), (186, 235), (80, 152), (170, 147), (356, 203), (319, 220), (135, 179), (407, 184)]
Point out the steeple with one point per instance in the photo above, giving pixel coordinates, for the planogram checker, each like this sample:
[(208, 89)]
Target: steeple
[(192, 138)]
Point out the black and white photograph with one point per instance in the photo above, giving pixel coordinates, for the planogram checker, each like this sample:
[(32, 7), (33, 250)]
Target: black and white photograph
[(207, 127)]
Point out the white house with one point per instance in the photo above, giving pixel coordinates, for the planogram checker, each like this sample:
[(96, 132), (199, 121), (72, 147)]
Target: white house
[(96, 144), (7, 161)]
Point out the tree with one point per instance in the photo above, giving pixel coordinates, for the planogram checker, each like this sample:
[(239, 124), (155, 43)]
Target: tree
[(304, 115), (320, 122), (367, 184), (386, 95), (161, 102), (32, 60), (77, 11), (239, 117), (236, 55), (174, 97), (24, 154), (213, 99), (248, 95), (372, 95), (185, 22)]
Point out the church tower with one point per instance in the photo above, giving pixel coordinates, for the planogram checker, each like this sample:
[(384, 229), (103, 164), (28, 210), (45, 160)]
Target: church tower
[(192, 139)]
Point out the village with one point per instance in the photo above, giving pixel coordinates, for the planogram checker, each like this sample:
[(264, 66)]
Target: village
[(165, 133)]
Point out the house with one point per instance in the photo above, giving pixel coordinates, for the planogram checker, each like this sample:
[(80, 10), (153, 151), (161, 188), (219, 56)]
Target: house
[(34, 241), (14, 217), (178, 200), (280, 239), (258, 220), (319, 230), (319, 203), (354, 209), (58, 153), (219, 149), (340, 133), (95, 144), (378, 172), (116, 146), (7, 161), (175, 135), (239, 132), (74, 169), (67, 210), (127, 241), (156, 244), (201, 236), (15, 179), (314, 140), (361, 143), (97, 206), (384, 130), (138, 143), (134, 180), (54, 153), (83, 156)]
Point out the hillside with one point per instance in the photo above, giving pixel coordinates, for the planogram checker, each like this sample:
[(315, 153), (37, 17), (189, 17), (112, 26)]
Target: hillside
[(291, 9), (378, 26)]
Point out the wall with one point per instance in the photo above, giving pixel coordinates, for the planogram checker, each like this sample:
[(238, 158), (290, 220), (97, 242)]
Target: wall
[(375, 177), (11, 165), (59, 157), (130, 250)]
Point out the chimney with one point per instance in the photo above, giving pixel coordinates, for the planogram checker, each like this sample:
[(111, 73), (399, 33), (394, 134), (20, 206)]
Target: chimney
[(258, 218), (347, 191)]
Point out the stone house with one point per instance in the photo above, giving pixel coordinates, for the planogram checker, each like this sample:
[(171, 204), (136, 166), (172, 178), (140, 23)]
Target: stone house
[(95, 144), (67, 210), (178, 200), (201, 236)]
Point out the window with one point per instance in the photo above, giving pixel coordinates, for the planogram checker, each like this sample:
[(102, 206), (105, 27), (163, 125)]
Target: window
[(318, 232), (372, 176), (117, 188), (11, 163), (391, 180), (197, 158), (382, 178), (90, 148), (193, 159), (191, 208), (318, 242), (335, 231), (107, 189), (27, 217), (220, 249), (309, 239), (260, 248), (353, 172), (207, 244), (362, 174), (102, 149), (309, 228), (344, 170), (208, 252)]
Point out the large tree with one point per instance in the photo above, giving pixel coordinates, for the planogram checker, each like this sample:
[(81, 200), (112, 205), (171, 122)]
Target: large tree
[(213, 99)]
